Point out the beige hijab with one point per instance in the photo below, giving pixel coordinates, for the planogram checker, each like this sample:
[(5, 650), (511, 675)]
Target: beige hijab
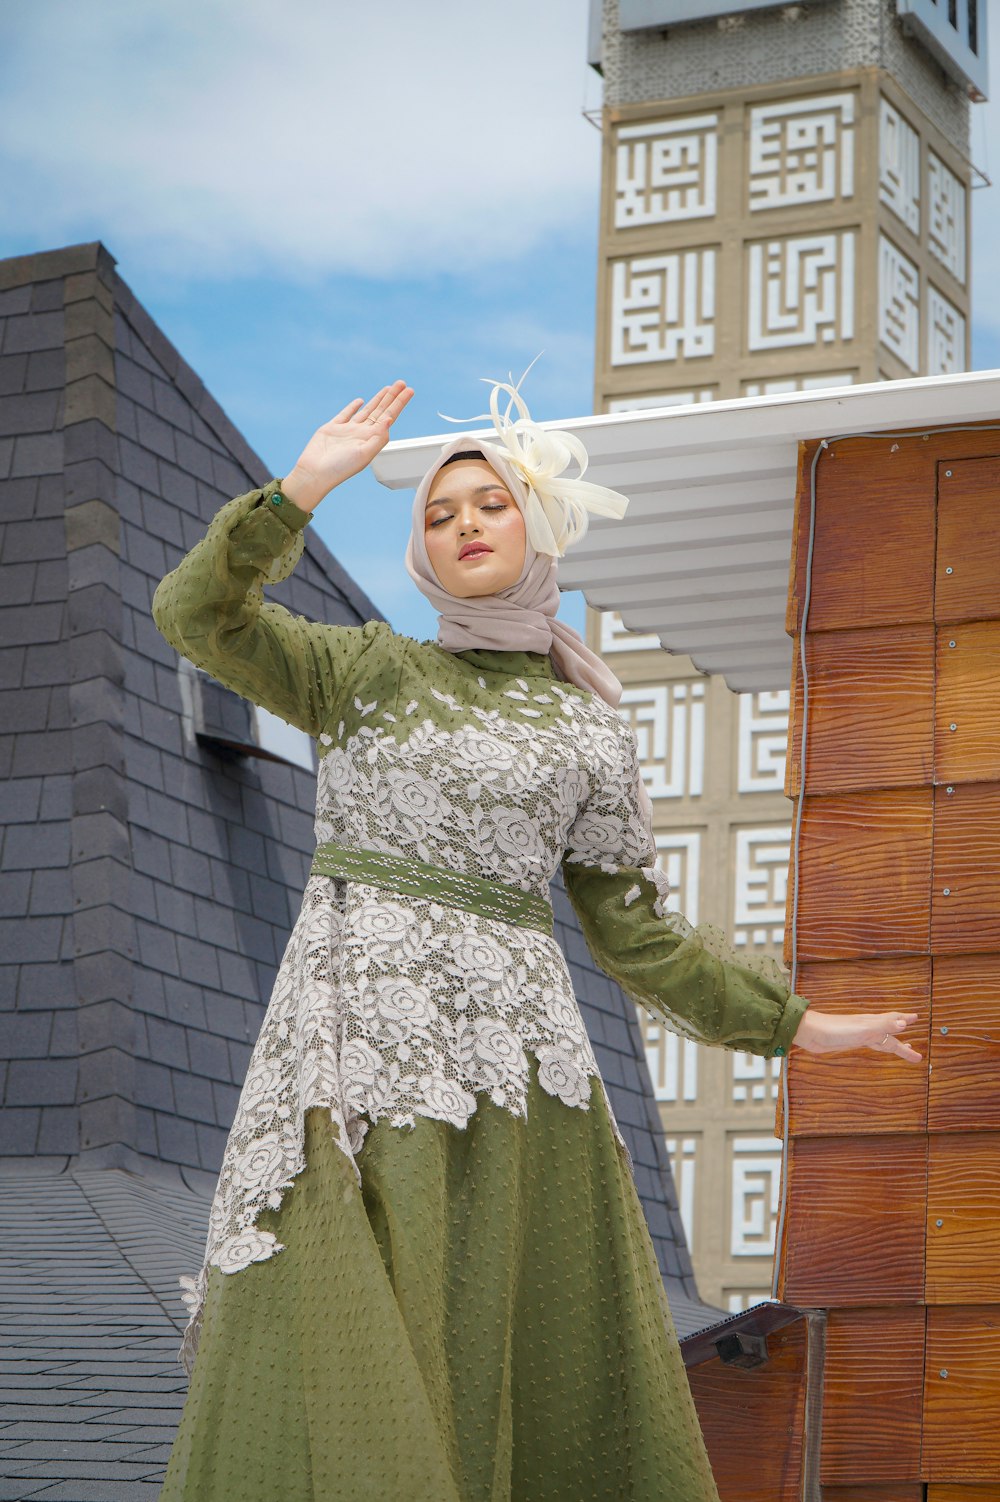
[(531, 461)]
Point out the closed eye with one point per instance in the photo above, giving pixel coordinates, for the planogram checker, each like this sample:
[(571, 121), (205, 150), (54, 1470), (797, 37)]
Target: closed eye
[(498, 506)]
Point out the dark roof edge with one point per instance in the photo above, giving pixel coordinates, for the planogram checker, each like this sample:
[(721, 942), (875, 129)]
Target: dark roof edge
[(190, 384), (759, 1319), (48, 265)]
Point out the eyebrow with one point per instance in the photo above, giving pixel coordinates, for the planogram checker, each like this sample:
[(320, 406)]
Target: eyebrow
[(443, 500)]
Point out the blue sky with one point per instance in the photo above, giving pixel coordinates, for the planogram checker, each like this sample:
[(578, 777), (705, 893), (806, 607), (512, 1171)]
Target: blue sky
[(313, 199)]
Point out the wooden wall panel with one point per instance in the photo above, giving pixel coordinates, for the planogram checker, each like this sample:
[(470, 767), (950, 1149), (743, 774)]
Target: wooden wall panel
[(963, 1194), (854, 1230), (862, 1092), (914, 1492), (957, 1491), (965, 896), (753, 1420), (963, 1091), (873, 560), (968, 697), (968, 540), (871, 710), (866, 871), (872, 1395), (962, 1410)]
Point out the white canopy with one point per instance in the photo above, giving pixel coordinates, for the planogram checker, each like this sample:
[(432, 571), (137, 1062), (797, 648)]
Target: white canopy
[(701, 559)]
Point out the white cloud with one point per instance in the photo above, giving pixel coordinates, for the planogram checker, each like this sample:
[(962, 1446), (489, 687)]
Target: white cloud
[(301, 138)]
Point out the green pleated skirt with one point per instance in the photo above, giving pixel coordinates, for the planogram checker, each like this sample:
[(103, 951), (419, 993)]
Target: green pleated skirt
[(483, 1321)]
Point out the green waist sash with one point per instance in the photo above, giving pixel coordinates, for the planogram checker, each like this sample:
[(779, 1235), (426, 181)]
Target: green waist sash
[(400, 873)]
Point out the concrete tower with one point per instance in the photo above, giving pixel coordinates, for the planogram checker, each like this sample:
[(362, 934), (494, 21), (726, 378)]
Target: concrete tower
[(785, 205)]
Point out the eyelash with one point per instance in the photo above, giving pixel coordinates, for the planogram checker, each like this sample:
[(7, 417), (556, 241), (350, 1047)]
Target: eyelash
[(497, 506)]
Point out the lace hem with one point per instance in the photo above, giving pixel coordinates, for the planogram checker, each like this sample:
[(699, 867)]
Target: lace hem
[(252, 1245)]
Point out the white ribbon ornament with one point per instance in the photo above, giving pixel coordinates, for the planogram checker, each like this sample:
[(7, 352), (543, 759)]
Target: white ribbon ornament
[(558, 506)]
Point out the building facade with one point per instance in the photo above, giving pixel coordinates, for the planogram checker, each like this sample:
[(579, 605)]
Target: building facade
[(785, 205)]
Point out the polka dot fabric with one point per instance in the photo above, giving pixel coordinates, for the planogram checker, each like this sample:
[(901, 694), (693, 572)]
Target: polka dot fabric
[(483, 1321)]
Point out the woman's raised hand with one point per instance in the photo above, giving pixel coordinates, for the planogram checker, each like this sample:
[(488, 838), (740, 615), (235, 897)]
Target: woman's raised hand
[(343, 446), (826, 1032)]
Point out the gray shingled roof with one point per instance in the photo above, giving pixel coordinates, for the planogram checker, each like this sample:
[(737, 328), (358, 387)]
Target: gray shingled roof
[(147, 887)]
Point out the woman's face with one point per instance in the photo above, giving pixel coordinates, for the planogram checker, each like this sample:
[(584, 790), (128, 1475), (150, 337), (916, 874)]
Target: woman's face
[(470, 511)]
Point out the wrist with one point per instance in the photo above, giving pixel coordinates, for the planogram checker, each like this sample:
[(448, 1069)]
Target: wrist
[(303, 489)]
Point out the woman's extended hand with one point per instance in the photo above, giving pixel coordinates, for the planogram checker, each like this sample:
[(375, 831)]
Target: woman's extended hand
[(824, 1032), (343, 446)]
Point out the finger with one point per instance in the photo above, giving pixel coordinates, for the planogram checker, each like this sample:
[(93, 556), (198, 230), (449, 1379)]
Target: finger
[(366, 409), (909, 1054), (348, 412), (383, 408), (398, 403)]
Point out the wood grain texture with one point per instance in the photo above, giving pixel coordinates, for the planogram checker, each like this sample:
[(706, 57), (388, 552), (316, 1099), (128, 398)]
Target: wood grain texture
[(963, 1193), (963, 1092), (866, 871), (854, 1229), (871, 710), (968, 540), (958, 1491), (862, 1091), (873, 558), (965, 899), (962, 1410), (872, 1396), (911, 1492), (968, 697), (753, 1420)]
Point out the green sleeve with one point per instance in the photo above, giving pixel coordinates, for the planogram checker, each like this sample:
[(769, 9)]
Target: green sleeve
[(685, 975), (211, 609)]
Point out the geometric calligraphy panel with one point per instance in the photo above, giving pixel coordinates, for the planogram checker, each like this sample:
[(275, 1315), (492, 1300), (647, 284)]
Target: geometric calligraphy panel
[(899, 166), (946, 213), (683, 1161), (798, 383), (945, 335), (666, 170), (763, 741), (899, 304), (801, 290), (761, 886), (802, 151), (668, 721), (673, 1061), (616, 637), (754, 1078), (678, 856), (756, 1183), (663, 307), (662, 399)]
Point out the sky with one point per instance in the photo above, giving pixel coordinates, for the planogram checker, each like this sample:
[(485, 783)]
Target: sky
[(313, 199)]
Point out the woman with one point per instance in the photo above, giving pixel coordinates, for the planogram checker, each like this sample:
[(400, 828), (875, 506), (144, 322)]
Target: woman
[(428, 1275)]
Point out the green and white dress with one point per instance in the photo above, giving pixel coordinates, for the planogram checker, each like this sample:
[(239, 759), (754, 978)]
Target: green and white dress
[(428, 1275)]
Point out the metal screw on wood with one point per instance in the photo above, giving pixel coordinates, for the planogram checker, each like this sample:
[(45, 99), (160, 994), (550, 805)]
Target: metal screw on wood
[(939, 1222), (947, 891), (951, 644), (953, 726), (944, 1371), (948, 474), (949, 569), (949, 791), (944, 1029)]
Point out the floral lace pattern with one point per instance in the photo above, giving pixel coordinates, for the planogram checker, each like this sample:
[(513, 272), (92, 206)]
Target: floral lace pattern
[(389, 1006)]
